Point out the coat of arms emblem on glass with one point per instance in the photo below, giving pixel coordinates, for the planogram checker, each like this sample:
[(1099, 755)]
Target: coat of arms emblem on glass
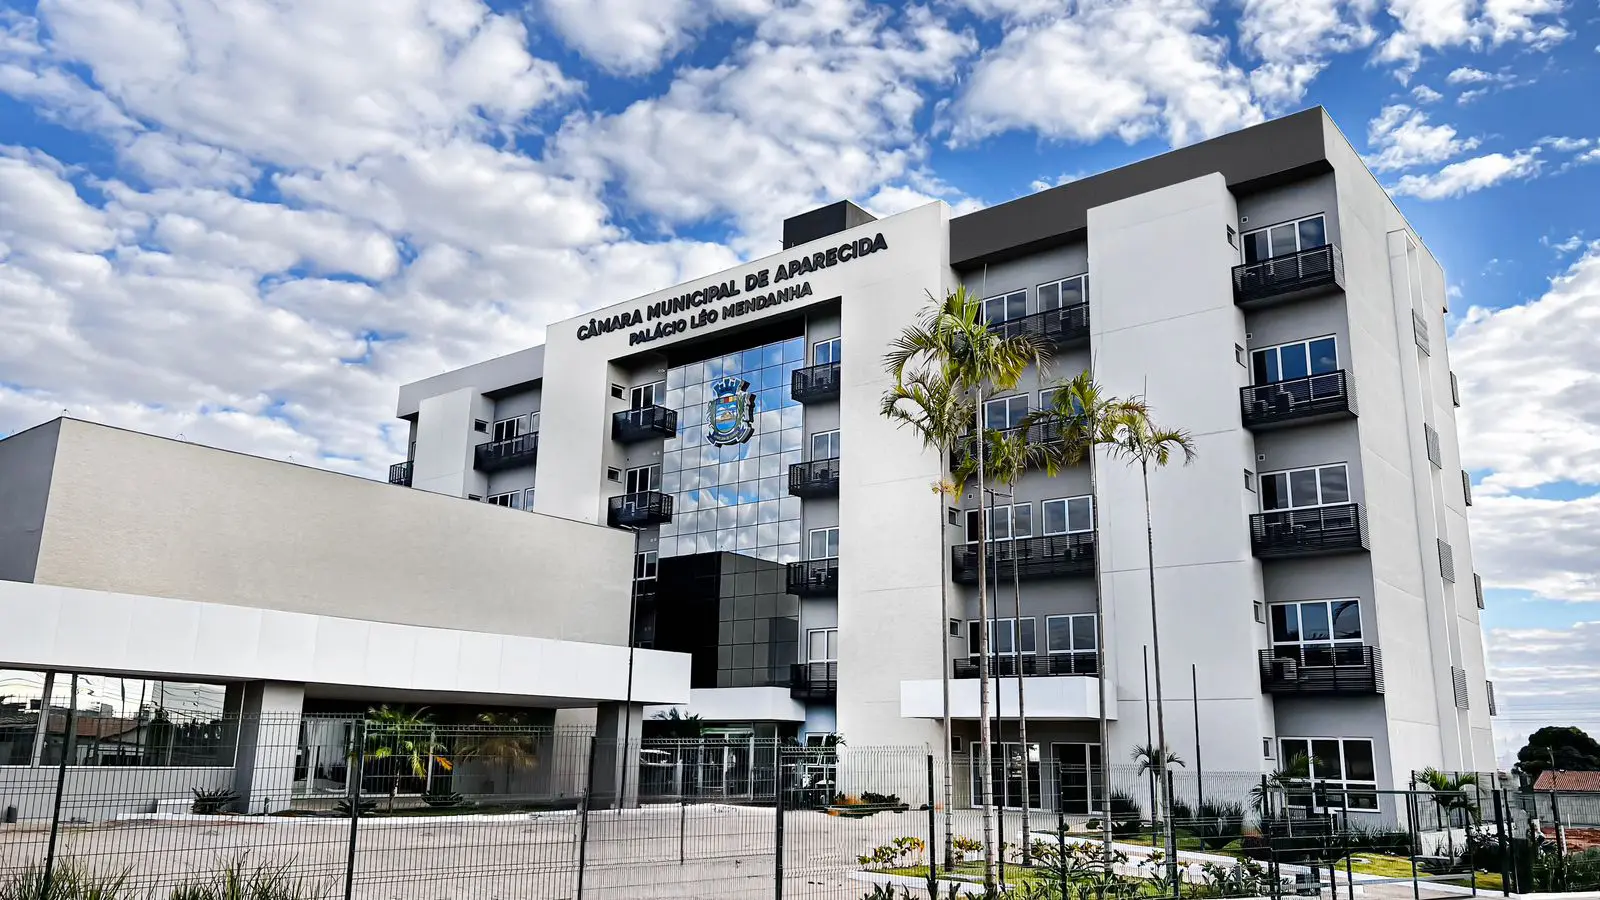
[(730, 413)]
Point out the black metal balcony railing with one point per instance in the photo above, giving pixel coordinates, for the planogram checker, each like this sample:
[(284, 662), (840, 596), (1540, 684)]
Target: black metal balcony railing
[(1283, 276), (400, 473), (1309, 532), (815, 681), (1030, 664), (1330, 395), (1055, 556), (507, 454), (817, 478), (639, 510), (1060, 327), (815, 383), (645, 423), (814, 578), (1349, 670)]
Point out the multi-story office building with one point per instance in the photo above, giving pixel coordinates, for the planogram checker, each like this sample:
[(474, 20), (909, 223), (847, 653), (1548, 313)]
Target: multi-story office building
[(1260, 289)]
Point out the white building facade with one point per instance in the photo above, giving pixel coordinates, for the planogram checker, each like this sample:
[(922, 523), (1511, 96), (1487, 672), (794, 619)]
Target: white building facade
[(1313, 565)]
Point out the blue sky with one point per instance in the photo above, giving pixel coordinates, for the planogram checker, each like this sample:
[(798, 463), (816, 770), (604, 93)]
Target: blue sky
[(246, 223)]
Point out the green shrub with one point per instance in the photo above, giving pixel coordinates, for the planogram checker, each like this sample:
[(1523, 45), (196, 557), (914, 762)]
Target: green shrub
[(209, 803), (1219, 824), (364, 807), (234, 879), (69, 880), (1182, 812), (1126, 814), (871, 799)]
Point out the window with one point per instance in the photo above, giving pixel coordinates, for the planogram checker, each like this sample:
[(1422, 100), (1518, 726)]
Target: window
[(1006, 412), (825, 352), (1304, 488), (618, 392), (1301, 359), (1081, 784), (1233, 237), (1249, 481), (822, 645), (1266, 747), (1261, 612), (1338, 766), (1006, 521), (1068, 515), (1064, 293), (1238, 354), (613, 473), (527, 499), (1070, 641), (955, 628), (1289, 237), (119, 721), (645, 565), (1002, 637), (643, 478), (1005, 307), (480, 426), (825, 445), (647, 395), (1318, 632), (955, 743), (822, 543), (508, 500), (506, 429)]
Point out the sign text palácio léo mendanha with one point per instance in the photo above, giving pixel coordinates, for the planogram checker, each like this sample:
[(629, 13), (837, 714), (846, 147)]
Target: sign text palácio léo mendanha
[(699, 301)]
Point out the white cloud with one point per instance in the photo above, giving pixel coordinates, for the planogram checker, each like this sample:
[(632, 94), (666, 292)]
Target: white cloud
[(1424, 94), (780, 126), (1108, 67), (1437, 25), (1470, 175), (1565, 144), (1294, 38), (1469, 75), (1403, 138), (633, 37)]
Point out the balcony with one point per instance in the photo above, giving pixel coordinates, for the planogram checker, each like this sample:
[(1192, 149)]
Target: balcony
[(817, 478), (814, 384), (1350, 671), (400, 473), (521, 450), (1309, 532), (639, 510), (1058, 327), (814, 578), (631, 426), (816, 682), (1056, 556), (1037, 434), (1031, 665), (1315, 398), (1288, 276)]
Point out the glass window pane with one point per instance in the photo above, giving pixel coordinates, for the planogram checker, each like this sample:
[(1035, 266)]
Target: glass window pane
[(1283, 239), (999, 524), (1074, 291), (1285, 623), (1058, 633), (1313, 233), (21, 703), (1001, 638), (1080, 514), (1303, 488), (1324, 356), (1335, 484), (1049, 297), (1054, 513), (1358, 762), (1314, 622), (1274, 492), (1022, 520), (1293, 360), (972, 638), (1029, 638), (1263, 366), (1256, 247), (995, 415), (1292, 746), (1347, 620), (1325, 758), (1083, 633)]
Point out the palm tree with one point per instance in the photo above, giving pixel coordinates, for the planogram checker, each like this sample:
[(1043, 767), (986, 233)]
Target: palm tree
[(503, 737), (407, 738), (1082, 417), (1010, 454), (951, 339), (1449, 794), (1295, 770), (1157, 765), (939, 414), (1139, 440)]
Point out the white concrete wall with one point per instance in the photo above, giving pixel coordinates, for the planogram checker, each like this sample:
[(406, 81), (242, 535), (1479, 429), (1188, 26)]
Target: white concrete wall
[(145, 515), (446, 435), (1164, 325)]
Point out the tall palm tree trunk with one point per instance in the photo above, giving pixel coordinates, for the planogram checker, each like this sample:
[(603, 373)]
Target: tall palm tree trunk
[(1022, 705), (1161, 719), (1100, 671), (944, 677), (985, 738)]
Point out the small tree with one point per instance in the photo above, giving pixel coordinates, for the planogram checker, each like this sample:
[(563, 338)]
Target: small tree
[(408, 739), (506, 738), (1449, 795), (1572, 749)]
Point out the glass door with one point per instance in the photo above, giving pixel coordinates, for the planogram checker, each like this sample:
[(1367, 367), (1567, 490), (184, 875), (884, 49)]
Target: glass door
[(1078, 777), (1009, 767)]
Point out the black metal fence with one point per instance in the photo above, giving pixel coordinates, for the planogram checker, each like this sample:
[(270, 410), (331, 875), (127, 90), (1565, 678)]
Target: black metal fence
[(393, 806)]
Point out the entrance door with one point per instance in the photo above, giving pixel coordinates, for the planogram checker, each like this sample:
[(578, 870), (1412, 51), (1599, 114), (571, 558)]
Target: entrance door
[(1078, 774), (1009, 767)]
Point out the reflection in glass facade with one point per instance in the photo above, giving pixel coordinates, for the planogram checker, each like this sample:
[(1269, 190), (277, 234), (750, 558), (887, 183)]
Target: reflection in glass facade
[(735, 498), (114, 721)]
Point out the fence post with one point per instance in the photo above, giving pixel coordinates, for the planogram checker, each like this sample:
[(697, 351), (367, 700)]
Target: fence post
[(1508, 850), (583, 817), (355, 769), (1413, 823), (683, 823), (777, 806), (1061, 832), (933, 834), (68, 747)]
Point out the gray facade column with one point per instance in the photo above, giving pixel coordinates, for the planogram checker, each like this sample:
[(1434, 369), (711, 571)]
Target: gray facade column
[(615, 779), (269, 736)]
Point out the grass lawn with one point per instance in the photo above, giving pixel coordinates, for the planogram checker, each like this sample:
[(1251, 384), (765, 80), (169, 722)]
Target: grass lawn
[(1400, 867)]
